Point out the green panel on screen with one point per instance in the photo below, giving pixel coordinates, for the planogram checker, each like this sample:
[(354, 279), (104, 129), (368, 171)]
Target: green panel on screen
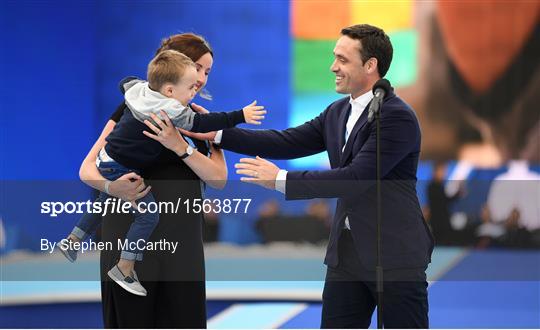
[(403, 70), (311, 65), (312, 60)]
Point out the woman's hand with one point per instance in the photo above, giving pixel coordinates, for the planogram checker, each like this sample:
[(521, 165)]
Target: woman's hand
[(129, 187), (166, 134)]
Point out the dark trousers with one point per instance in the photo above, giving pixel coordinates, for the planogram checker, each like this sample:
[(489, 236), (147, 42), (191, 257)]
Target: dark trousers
[(350, 297)]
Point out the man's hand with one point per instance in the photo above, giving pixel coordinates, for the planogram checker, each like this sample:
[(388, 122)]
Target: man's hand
[(199, 108), (258, 171), (210, 136)]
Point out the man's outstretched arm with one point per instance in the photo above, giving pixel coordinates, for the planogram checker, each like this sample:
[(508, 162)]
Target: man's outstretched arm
[(304, 140), (399, 136)]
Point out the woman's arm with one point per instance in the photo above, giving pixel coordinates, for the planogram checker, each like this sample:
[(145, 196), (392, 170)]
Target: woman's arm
[(211, 170), (128, 187), (88, 172), (215, 165)]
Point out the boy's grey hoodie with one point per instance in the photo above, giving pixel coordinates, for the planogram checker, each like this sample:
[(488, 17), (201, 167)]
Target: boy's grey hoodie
[(127, 144), (143, 101)]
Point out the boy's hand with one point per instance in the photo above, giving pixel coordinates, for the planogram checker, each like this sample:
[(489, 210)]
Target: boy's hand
[(253, 113)]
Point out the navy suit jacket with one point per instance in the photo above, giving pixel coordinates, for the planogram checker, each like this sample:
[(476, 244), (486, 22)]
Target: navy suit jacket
[(406, 239)]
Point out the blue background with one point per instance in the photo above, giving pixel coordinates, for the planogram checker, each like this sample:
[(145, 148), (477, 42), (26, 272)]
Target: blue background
[(61, 62)]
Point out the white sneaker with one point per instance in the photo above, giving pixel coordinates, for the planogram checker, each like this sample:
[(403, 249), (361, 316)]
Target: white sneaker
[(128, 283), (69, 253)]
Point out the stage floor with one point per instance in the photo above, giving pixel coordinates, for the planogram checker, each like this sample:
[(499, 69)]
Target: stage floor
[(468, 289)]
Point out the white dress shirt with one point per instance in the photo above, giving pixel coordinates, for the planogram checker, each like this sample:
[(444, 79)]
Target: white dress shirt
[(358, 105)]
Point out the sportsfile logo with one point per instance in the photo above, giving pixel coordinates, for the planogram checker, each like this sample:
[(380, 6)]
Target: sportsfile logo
[(116, 206)]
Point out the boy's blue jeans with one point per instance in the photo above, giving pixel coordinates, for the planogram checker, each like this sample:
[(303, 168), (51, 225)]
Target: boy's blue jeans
[(140, 229)]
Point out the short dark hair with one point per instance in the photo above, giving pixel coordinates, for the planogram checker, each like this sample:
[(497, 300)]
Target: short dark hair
[(192, 45), (375, 43)]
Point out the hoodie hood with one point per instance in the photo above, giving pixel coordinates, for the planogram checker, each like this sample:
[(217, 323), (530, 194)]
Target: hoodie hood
[(142, 101)]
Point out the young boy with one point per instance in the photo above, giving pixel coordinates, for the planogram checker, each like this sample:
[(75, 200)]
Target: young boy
[(171, 85)]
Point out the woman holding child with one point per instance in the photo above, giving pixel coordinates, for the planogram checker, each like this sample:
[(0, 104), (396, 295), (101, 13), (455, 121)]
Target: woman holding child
[(174, 282)]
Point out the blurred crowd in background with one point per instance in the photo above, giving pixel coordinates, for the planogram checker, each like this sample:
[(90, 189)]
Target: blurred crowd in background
[(480, 213)]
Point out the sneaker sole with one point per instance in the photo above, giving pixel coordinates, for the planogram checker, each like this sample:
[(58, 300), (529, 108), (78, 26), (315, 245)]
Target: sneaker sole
[(125, 287), (66, 254)]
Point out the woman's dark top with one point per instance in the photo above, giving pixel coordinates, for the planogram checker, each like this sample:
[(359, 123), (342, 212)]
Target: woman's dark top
[(174, 281)]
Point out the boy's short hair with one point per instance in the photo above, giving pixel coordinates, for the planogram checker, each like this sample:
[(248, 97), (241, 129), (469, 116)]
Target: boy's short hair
[(167, 66)]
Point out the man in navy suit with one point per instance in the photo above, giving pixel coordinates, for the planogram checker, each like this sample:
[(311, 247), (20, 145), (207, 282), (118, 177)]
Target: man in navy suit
[(362, 56)]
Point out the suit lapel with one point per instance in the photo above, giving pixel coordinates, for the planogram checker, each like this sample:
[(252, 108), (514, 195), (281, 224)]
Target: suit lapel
[(342, 120), (356, 128), (360, 123)]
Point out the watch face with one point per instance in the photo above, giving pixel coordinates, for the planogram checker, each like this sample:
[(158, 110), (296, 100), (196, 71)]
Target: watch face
[(189, 150)]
